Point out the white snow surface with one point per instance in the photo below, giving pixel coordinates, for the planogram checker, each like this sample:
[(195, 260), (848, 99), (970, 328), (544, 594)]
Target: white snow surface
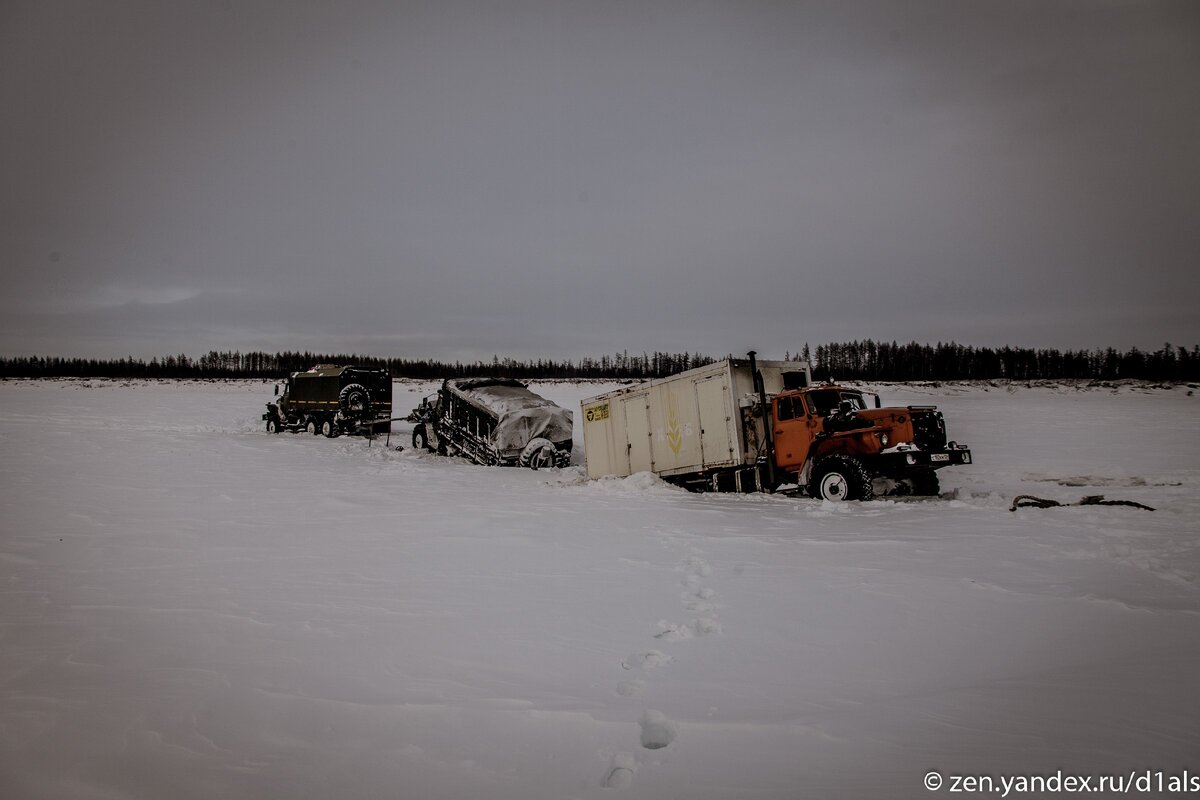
[(192, 608)]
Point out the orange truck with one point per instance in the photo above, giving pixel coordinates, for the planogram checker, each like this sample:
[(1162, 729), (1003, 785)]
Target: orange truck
[(748, 425)]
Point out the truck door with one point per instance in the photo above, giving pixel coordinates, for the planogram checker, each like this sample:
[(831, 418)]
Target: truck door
[(794, 430), (712, 398), (637, 428)]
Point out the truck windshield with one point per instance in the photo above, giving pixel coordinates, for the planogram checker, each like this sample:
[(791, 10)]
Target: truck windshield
[(825, 401)]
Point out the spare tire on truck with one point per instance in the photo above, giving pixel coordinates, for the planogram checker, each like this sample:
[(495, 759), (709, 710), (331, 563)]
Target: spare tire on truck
[(354, 400)]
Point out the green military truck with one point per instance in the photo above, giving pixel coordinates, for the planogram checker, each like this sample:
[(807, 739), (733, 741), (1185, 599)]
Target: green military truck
[(333, 400)]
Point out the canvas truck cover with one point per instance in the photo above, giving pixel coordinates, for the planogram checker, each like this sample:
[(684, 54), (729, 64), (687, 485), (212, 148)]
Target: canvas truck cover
[(521, 416)]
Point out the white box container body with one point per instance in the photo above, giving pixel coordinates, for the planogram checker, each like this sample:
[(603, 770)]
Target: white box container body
[(694, 422)]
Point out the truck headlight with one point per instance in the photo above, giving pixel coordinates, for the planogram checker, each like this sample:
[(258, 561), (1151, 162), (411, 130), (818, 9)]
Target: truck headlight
[(883, 439), (911, 459)]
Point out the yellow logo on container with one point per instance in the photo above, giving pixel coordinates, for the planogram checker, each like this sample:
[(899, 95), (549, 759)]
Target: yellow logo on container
[(596, 413), (674, 434)]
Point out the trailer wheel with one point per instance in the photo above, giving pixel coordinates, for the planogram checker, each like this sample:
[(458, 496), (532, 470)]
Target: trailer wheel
[(420, 438), (354, 400), (272, 426), (313, 426), (925, 483), (840, 478), (538, 453), (328, 428)]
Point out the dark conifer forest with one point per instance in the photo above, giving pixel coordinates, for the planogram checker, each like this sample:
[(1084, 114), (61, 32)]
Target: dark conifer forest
[(857, 360)]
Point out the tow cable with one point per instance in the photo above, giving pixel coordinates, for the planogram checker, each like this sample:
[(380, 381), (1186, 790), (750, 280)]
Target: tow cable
[(1029, 501)]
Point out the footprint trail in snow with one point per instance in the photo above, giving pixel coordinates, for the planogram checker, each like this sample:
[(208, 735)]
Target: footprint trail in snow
[(657, 730)]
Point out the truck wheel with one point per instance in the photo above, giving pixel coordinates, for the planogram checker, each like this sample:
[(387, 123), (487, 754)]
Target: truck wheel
[(925, 483), (538, 453), (354, 400), (420, 440), (841, 478), (328, 428), (313, 426), (272, 426)]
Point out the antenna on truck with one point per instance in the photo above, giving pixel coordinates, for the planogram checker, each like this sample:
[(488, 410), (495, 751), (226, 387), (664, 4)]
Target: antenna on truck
[(765, 410)]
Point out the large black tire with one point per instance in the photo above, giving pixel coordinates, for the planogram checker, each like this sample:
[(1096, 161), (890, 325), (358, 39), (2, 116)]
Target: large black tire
[(272, 426), (538, 453), (328, 428), (355, 400), (420, 438), (925, 483), (840, 478), (313, 426)]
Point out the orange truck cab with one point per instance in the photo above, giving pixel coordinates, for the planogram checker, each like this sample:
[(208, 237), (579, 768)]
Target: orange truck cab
[(830, 440)]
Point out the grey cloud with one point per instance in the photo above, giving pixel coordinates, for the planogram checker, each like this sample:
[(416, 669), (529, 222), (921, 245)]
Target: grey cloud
[(571, 178)]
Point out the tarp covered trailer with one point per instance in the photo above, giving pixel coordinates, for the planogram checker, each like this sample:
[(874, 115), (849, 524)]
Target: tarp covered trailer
[(495, 421)]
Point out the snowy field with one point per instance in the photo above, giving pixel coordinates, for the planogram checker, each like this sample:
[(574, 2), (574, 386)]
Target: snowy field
[(191, 608)]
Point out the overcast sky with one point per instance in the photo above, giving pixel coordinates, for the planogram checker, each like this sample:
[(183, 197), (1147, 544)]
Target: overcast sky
[(563, 178)]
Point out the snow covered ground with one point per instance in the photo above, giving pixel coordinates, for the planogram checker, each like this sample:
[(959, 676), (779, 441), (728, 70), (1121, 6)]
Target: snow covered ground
[(191, 608)]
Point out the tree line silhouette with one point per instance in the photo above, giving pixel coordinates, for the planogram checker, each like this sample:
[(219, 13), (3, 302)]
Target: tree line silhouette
[(857, 360), (258, 364), (883, 361)]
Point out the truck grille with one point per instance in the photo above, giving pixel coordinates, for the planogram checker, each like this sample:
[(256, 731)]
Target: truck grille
[(929, 429)]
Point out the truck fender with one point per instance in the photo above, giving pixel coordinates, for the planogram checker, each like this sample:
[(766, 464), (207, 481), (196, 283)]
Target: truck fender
[(805, 473)]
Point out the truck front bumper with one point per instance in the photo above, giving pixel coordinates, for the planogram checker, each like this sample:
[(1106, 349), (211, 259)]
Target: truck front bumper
[(901, 461)]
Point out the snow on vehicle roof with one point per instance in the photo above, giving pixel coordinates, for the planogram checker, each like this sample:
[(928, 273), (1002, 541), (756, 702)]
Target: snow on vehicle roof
[(333, 370), (498, 396)]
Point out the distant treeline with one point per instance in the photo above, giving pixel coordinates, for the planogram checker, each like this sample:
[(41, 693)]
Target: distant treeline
[(279, 365), (881, 361), (860, 360)]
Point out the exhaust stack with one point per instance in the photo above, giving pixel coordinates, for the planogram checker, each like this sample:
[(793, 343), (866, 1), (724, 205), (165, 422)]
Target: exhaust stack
[(765, 410)]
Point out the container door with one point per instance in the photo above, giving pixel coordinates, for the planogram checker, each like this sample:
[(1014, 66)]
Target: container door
[(637, 428), (712, 397)]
